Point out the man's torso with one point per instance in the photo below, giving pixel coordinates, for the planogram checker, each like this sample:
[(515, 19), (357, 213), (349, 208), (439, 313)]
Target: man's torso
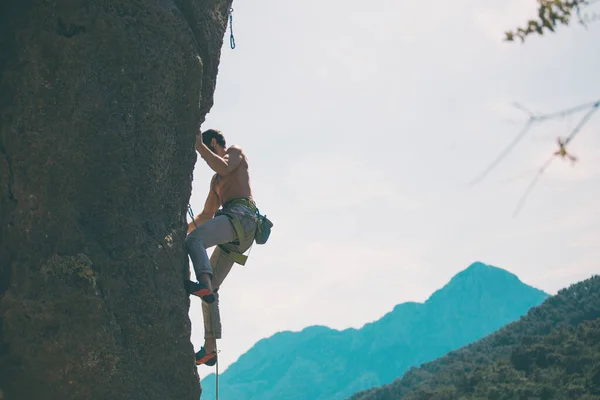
[(235, 184)]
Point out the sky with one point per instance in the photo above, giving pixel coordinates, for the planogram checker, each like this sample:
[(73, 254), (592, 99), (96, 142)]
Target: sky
[(364, 126)]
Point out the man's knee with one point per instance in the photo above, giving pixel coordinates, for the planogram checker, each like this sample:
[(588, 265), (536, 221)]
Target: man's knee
[(195, 239), (189, 240)]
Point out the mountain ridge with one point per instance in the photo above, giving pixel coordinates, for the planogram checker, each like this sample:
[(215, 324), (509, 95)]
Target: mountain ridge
[(553, 352), (331, 362)]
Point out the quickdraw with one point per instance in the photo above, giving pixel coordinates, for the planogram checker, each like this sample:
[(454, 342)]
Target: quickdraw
[(231, 38)]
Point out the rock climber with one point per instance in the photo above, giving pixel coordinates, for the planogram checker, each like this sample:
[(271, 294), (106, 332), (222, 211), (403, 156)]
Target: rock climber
[(231, 229)]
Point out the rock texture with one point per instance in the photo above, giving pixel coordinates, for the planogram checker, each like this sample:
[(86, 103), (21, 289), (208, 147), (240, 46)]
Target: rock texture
[(99, 104)]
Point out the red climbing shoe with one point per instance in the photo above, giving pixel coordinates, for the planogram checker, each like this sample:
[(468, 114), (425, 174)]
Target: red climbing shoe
[(209, 359), (200, 290)]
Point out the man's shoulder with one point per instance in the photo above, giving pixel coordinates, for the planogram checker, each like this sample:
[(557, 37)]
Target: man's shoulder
[(236, 151), (235, 148)]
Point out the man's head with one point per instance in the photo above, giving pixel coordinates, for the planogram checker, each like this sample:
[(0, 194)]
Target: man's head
[(215, 141)]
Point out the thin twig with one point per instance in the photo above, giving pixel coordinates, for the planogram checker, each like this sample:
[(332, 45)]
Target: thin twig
[(507, 150), (575, 131), (583, 121), (521, 175), (533, 118), (532, 184)]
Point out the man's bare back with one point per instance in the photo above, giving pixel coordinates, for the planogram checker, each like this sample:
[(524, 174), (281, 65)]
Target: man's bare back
[(235, 183)]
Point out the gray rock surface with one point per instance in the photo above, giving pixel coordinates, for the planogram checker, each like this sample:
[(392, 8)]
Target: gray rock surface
[(99, 104)]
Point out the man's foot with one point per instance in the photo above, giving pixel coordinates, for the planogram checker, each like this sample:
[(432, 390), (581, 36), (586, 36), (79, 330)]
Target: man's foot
[(200, 290), (209, 359)]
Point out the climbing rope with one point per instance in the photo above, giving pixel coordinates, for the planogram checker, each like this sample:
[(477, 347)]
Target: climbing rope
[(231, 38), (212, 321)]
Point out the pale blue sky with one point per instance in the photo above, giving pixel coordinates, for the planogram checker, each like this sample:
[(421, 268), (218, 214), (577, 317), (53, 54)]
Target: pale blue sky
[(363, 126)]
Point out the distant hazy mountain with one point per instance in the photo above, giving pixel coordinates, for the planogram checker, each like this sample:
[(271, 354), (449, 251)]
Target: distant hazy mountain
[(319, 363), (553, 353)]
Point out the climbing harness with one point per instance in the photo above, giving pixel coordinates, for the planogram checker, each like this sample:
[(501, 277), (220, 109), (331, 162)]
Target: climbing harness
[(231, 38), (261, 236), (263, 229)]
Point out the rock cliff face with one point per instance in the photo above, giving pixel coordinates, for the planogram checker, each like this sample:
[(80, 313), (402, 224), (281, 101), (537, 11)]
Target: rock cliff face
[(99, 104)]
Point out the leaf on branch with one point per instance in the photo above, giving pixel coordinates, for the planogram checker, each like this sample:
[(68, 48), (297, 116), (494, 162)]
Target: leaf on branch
[(551, 13)]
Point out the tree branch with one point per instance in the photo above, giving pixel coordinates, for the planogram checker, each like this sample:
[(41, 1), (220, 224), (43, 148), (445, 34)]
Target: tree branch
[(592, 108), (552, 13), (533, 118)]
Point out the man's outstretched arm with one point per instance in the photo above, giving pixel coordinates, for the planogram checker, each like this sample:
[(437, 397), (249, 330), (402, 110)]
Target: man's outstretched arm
[(221, 165), (211, 205)]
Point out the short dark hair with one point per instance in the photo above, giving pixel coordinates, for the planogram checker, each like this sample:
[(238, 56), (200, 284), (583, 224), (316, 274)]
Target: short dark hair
[(210, 134)]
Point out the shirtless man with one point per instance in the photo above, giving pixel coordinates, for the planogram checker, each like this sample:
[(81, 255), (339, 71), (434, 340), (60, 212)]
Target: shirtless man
[(229, 188)]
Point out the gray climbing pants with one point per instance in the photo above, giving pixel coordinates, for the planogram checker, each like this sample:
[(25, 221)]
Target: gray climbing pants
[(215, 231)]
